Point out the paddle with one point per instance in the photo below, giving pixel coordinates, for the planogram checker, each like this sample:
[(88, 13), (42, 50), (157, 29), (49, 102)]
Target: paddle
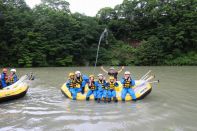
[(147, 80), (154, 82), (144, 76), (150, 78)]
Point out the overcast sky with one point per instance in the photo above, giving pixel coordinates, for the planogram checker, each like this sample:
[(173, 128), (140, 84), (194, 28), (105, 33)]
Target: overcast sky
[(88, 7)]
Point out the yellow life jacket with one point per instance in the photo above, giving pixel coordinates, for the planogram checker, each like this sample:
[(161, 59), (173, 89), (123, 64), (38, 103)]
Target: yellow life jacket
[(11, 80), (92, 86), (79, 81), (101, 82), (127, 84), (72, 83), (111, 85)]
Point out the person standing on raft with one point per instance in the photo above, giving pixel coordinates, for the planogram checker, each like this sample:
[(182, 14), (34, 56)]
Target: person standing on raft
[(112, 72), (128, 85)]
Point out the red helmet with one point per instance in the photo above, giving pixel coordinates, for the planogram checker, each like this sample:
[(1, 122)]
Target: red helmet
[(5, 70)]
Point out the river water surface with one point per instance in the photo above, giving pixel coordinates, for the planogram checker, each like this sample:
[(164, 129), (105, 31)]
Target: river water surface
[(171, 106)]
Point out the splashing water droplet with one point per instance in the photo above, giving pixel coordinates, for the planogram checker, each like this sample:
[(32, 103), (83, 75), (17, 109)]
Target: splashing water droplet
[(103, 35)]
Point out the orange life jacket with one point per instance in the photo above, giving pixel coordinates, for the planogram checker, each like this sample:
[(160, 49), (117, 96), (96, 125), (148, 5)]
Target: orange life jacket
[(72, 83), (6, 77), (92, 86)]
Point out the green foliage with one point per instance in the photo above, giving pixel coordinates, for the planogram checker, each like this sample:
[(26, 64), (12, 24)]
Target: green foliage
[(162, 29), (123, 51), (141, 32), (184, 59), (150, 52)]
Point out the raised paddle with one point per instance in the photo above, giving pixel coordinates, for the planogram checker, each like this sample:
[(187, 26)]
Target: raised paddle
[(154, 82), (142, 78), (150, 78)]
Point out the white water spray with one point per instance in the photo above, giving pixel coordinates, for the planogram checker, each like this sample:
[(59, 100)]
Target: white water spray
[(103, 35)]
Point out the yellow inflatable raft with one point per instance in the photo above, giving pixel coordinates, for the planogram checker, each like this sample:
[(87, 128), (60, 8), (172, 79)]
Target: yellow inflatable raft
[(15, 91), (141, 89)]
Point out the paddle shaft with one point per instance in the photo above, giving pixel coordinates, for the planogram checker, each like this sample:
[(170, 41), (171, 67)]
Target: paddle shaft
[(154, 82), (145, 75)]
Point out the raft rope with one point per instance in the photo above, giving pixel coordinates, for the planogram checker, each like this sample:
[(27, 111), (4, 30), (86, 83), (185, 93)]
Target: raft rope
[(103, 35)]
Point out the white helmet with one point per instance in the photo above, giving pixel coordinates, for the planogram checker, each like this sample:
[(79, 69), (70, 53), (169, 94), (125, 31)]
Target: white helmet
[(112, 68), (127, 73), (100, 75), (13, 70), (77, 72)]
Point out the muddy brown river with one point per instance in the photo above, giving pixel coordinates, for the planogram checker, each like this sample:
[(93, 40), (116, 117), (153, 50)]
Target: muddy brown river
[(171, 106)]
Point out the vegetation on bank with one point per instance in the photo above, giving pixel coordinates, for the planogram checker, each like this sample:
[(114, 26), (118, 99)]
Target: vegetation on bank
[(141, 32)]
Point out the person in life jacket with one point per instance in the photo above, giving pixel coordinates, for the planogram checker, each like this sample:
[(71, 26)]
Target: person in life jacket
[(93, 86), (71, 85), (12, 77), (113, 72), (31, 76), (128, 84), (82, 80), (101, 87), (0, 82), (4, 78), (110, 86)]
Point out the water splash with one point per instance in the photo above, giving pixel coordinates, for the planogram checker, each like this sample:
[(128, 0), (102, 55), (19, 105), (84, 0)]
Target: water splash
[(103, 35)]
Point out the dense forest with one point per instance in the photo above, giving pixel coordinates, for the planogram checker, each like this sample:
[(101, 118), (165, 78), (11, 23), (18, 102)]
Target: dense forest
[(141, 32)]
